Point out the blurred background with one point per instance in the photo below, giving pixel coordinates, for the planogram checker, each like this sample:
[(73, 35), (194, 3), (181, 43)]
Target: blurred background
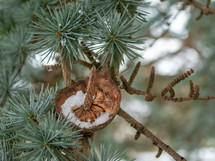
[(175, 42)]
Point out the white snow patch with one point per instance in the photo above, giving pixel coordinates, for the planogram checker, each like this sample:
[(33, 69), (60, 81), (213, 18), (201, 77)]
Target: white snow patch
[(74, 100), (78, 100)]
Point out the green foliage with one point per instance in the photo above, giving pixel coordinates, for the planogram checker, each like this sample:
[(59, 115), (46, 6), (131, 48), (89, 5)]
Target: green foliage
[(110, 33), (59, 31), (25, 12), (21, 109), (131, 8), (31, 128), (10, 84), (14, 47), (107, 153), (5, 23), (6, 152), (111, 37), (51, 138)]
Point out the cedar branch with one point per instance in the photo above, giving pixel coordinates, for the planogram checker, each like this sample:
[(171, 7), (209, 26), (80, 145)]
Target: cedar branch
[(150, 97), (155, 140)]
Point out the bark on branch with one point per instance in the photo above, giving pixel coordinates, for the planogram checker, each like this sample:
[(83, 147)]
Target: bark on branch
[(65, 70), (204, 9), (156, 141)]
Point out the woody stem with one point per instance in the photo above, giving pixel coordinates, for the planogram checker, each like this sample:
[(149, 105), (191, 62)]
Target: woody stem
[(90, 90), (65, 70)]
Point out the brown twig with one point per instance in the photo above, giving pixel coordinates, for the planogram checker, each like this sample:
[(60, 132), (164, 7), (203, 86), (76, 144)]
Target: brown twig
[(90, 90), (53, 67), (137, 135), (196, 92), (205, 9), (200, 16), (170, 86), (191, 88), (201, 12), (155, 140), (208, 3), (159, 153), (168, 89), (85, 64), (151, 80), (134, 73), (181, 77), (129, 89), (66, 71), (150, 97), (171, 91), (182, 99)]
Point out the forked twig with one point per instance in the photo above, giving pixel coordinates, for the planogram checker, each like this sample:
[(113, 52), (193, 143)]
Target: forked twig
[(193, 95), (205, 9)]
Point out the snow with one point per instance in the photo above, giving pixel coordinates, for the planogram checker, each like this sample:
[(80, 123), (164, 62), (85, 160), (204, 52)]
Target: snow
[(78, 100), (74, 100)]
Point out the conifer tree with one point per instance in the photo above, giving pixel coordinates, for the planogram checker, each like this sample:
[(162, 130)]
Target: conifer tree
[(52, 121)]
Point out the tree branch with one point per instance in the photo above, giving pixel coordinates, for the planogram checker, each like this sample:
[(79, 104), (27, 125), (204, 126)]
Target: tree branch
[(156, 141), (204, 9), (66, 71), (193, 95), (90, 90)]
